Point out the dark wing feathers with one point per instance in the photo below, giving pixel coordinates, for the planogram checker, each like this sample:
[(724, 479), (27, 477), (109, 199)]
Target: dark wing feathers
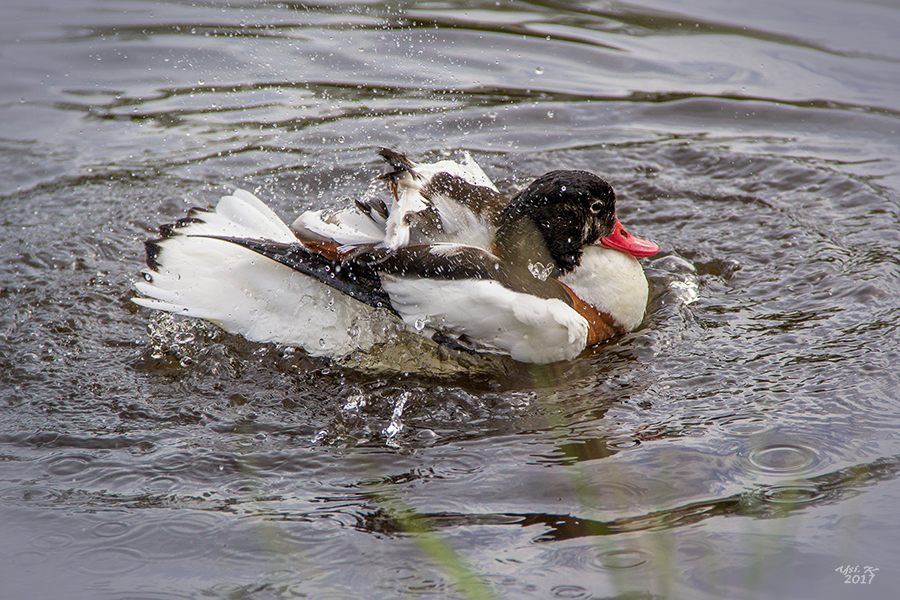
[(353, 278), (452, 261), (397, 161), (372, 207), (359, 276)]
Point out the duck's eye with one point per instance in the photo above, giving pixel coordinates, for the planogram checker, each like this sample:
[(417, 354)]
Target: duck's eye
[(596, 207)]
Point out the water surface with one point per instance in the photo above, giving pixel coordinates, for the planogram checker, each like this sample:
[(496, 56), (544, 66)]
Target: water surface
[(741, 444)]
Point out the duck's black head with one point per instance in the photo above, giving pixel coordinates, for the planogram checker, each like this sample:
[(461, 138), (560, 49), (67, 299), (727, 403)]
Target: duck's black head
[(568, 209)]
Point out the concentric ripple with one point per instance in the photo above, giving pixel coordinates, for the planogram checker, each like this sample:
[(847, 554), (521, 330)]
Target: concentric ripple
[(789, 459)]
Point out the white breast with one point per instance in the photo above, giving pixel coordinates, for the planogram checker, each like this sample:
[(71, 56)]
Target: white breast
[(613, 282)]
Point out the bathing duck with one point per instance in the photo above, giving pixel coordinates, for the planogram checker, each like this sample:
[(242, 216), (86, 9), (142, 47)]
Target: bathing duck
[(539, 277)]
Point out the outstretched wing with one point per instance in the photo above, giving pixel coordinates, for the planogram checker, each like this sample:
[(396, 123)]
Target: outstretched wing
[(443, 202)]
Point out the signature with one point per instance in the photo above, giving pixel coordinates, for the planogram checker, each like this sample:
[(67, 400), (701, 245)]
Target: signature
[(853, 574)]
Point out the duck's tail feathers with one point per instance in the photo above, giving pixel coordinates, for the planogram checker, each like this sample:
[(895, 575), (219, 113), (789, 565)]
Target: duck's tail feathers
[(194, 269), (238, 214), (188, 275)]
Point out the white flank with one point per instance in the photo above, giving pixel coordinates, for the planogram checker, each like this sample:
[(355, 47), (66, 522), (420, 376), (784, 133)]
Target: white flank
[(530, 329)]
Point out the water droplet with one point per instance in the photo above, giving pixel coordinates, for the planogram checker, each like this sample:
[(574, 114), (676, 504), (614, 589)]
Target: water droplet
[(539, 271), (396, 425), (420, 324), (539, 71), (549, 114)]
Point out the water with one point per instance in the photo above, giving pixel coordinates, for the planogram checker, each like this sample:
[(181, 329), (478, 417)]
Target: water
[(742, 444)]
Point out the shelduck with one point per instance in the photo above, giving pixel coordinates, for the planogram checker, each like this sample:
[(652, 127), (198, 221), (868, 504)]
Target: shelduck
[(539, 277)]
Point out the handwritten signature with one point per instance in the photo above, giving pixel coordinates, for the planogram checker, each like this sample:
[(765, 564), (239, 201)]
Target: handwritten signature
[(853, 574)]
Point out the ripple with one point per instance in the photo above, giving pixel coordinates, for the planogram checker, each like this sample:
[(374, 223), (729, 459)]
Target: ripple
[(53, 541), (622, 442), (168, 535), (68, 465), (460, 465), (256, 544), (108, 561), (572, 592), (612, 495), (110, 529), (627, 558), (592, 557), (745, 425), (783, 458), (18, 496), (161, 483), (191, 524), (142, 447), (423, 586), (791, 494), (695, 551)]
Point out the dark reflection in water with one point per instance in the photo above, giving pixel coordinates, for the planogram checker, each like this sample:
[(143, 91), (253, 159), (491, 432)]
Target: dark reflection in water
[(740, 444)]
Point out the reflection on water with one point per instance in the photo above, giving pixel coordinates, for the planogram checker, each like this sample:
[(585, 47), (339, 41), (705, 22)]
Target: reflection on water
[(739, 444)]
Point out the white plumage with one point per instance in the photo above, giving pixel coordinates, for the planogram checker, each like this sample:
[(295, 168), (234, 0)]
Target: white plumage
[(248, 294), (528, 328)]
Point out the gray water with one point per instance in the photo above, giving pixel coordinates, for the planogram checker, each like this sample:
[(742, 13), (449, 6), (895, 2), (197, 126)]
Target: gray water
[(741, 444)]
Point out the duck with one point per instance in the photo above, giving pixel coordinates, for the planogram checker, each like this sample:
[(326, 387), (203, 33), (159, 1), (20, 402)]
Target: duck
[(538, 277)]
